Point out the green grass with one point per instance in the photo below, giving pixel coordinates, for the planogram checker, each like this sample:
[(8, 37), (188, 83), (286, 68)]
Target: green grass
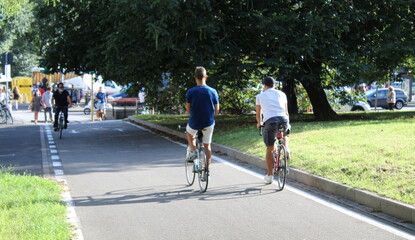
[(372, 151), (30, 208)]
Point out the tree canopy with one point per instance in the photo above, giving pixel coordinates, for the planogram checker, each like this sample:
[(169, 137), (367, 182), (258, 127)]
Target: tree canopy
[(318, 43)]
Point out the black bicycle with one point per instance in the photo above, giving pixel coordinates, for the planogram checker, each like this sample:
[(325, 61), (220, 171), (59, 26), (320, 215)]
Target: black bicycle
[(199, 165), (280, 167), (61, 121)]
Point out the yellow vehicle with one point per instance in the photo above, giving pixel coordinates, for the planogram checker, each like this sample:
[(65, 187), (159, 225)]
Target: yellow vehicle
[(24, 84)]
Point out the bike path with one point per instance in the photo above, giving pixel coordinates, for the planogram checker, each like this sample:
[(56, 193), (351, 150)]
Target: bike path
[(128, 183)]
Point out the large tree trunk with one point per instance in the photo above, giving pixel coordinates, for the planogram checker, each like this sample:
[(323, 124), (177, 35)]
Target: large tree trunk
[(289, 89), (312, 84)]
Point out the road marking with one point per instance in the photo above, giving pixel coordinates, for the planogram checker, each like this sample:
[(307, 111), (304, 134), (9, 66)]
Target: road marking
[(60, 177), (310, 196), (119, 129), (8, 155), (57, 164), (74, 131)]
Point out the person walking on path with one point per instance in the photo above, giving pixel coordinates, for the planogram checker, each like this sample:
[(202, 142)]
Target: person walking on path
[(101, 99), (36, 104), (47, 104), (202, 103), (272, 104), (61, 101), (391, 97), (16, 96)]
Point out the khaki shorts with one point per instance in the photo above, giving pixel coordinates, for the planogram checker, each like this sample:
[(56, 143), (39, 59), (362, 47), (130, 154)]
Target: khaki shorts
[(207, 133)]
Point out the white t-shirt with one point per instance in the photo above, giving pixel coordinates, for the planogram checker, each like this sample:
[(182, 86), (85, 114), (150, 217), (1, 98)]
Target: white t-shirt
[(272, 103), (47, 98)]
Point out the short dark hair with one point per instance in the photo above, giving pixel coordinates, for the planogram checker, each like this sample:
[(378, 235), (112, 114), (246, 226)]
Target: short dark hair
[(200, 73), (269, 81), (59, 84)]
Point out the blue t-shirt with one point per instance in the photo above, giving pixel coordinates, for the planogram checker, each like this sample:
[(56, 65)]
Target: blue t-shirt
[(202, 110), (101, 96)]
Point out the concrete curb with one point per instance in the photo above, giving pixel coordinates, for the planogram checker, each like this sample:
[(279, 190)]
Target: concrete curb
[(391, 207)]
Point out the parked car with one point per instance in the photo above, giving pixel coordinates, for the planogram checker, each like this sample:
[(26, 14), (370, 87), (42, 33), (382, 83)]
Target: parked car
[(382, 94), (360, 106), (122, 99)]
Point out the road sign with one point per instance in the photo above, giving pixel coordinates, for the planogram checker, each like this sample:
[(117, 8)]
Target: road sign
[(7, 58)]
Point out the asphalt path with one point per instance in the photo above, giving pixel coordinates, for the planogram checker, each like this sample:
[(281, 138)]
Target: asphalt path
[(129, 183)]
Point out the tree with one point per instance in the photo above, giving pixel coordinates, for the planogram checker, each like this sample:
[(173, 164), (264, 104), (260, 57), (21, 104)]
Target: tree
[(317, 43)]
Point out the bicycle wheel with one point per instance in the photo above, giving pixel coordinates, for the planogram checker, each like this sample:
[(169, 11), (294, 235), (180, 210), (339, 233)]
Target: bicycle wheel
[(280, 169), (190, 169), (60, 127), (9, 117), (203, 173), (3, 117)]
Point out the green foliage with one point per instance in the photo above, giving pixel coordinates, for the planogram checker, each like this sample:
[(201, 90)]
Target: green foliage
[(237, 41)]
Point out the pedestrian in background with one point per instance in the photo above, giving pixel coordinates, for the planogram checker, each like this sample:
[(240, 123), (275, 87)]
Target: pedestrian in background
[(101, 99), (35, 104), (47, 103), (16, 96), (391, 97), (2, 95)]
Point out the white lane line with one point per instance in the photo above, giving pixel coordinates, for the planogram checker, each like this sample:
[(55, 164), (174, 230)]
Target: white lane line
[(66, 195), (8, 155), (317, 199), (57, 164)]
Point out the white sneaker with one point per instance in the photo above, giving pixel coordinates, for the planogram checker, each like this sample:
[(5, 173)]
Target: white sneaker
[(268, 179), (191, 156)]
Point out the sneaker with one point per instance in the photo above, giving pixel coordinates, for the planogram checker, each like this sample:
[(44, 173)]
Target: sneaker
[(55, 129), (192, 156), (268, 179), (203, 179)]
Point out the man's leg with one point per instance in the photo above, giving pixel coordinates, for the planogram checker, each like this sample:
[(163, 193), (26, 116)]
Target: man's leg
[(208, 152), (269, 157), (191, 141), (65, 114), (55, 124)]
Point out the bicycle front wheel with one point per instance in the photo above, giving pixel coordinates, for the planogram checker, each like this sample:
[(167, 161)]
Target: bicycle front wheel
[(203, 173), (190, 169), (3, 117), (9, 118), (60, 127), (280, 166)]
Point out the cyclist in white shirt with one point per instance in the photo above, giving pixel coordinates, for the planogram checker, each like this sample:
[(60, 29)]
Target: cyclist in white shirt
[(272, 104)]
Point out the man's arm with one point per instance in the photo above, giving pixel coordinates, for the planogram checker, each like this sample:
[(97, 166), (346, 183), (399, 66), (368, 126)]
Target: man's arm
[(258, 116), (188, 108), (216, 109), (69, 100)]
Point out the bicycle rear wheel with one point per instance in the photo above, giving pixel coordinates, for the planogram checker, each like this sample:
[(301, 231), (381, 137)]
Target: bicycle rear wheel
[(203, 173), (190, 169), (280, 169)]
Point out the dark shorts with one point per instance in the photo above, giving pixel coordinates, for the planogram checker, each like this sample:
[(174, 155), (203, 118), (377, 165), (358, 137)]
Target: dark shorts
[(271, 129)]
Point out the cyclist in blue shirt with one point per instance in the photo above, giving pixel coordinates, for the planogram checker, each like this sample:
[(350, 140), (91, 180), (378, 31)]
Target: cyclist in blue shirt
[(202, 103)]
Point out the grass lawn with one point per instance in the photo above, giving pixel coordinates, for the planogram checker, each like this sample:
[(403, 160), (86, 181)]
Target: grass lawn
[(372, 151), (30, 208)]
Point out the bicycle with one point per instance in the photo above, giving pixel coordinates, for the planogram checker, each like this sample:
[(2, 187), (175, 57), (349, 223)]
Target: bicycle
[(280, 167), (61, 121), (198, 165), (5, 114)]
